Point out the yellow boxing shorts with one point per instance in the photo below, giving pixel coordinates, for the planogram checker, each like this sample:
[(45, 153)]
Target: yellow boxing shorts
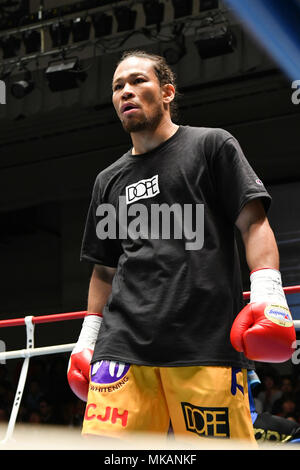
[(199, 401)]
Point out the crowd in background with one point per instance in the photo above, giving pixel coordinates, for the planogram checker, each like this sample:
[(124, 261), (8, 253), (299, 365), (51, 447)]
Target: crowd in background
[(278, 394), (48, 399)]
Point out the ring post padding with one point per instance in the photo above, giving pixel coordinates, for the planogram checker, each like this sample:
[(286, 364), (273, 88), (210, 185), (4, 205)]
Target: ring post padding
[(22, 380)]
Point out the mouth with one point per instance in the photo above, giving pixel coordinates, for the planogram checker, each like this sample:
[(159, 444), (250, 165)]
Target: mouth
[(129, 108)]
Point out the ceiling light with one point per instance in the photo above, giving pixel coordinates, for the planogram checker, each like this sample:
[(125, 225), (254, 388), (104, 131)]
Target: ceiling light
[(102, 24), (22, 87), (32, 41), (60, 33), (216, 43), (81, 29), (154, 11), (125, 18), (64, 74), (10, 46)]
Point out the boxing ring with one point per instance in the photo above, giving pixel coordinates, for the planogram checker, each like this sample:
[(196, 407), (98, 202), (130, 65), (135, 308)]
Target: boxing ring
[(30, 351)]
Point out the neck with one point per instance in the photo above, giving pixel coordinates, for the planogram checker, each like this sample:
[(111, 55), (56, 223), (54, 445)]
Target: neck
[(147, 140)]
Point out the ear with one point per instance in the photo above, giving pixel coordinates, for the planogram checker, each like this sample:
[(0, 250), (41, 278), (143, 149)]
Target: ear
[(168, 93)]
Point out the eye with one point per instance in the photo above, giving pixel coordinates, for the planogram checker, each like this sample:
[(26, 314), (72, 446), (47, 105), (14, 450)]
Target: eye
[(117, 87), (139, 80)]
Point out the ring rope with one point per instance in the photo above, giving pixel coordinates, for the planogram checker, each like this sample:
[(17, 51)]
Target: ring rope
[(30, 351)]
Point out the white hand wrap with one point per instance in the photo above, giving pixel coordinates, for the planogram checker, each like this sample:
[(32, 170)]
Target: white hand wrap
[(89, 333), (266, 286)]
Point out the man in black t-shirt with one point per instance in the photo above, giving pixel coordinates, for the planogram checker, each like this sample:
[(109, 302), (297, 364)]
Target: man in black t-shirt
[(166, 286)]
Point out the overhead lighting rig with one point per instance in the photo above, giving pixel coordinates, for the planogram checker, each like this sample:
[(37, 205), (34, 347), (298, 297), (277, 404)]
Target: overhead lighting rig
[(10, 46), (176, 49), (102, 24), (70, 29), (215, 43), (125, 18), (60, 33), (32, 41), (154, 11), (23, 86), (65, 74), (81, 29)]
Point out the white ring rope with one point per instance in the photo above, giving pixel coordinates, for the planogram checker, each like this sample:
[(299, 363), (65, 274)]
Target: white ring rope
[(31, 351)]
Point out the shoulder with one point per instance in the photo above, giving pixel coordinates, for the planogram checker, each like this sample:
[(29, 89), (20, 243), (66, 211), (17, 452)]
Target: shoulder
[(211, 138), (115, 168)]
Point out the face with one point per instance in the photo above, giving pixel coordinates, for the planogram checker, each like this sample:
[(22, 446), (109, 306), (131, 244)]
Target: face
[(139, 100)]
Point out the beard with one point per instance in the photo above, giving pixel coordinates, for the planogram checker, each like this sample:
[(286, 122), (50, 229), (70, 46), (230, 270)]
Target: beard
[(145, 123)]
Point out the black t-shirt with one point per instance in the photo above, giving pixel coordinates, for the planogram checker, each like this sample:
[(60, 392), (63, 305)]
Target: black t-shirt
[(165, 219)]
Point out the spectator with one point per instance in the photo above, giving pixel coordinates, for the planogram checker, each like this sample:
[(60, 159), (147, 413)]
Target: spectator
[(288, 409), (38, 372), (270, 392), (59, 389), (287, 394), (34, 418), (78, 412), (33, 396), (46, 411), (3, 415)]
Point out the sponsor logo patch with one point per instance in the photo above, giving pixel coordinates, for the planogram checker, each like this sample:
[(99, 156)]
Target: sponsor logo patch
[(279, 315), (110, 414), (108, 376), (208, 422), (142, 189), (107, 372)]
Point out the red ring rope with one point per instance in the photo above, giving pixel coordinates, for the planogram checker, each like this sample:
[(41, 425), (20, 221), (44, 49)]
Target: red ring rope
[(76, 315)]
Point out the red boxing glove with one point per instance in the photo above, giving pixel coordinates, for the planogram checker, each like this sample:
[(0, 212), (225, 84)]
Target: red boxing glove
[(79, 364), (264, 330), (78, 373)]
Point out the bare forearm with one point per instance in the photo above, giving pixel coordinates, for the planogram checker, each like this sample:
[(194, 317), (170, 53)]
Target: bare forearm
[(99, 288), (260, 246)]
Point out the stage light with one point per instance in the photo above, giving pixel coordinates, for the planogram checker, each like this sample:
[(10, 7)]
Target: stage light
[(81, 29), (208, 5), (216, 43), (125, 18), (173, 54), (182, 8), (10, 46), (102, 24), (22, 87), (32, 41), (176, 49), (64, 74), (154, 12), (60, 33)]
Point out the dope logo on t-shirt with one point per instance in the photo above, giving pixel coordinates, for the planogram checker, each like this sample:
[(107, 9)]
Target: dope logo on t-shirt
[(142, 189)]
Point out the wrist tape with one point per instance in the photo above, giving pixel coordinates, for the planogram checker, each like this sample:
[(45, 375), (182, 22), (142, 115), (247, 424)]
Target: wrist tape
[(266, 286)]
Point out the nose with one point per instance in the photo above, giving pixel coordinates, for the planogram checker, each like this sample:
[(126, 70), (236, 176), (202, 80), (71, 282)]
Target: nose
[(127, 91)]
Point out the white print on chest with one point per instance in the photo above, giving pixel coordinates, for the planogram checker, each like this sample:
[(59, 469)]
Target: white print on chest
[(142, 189)]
